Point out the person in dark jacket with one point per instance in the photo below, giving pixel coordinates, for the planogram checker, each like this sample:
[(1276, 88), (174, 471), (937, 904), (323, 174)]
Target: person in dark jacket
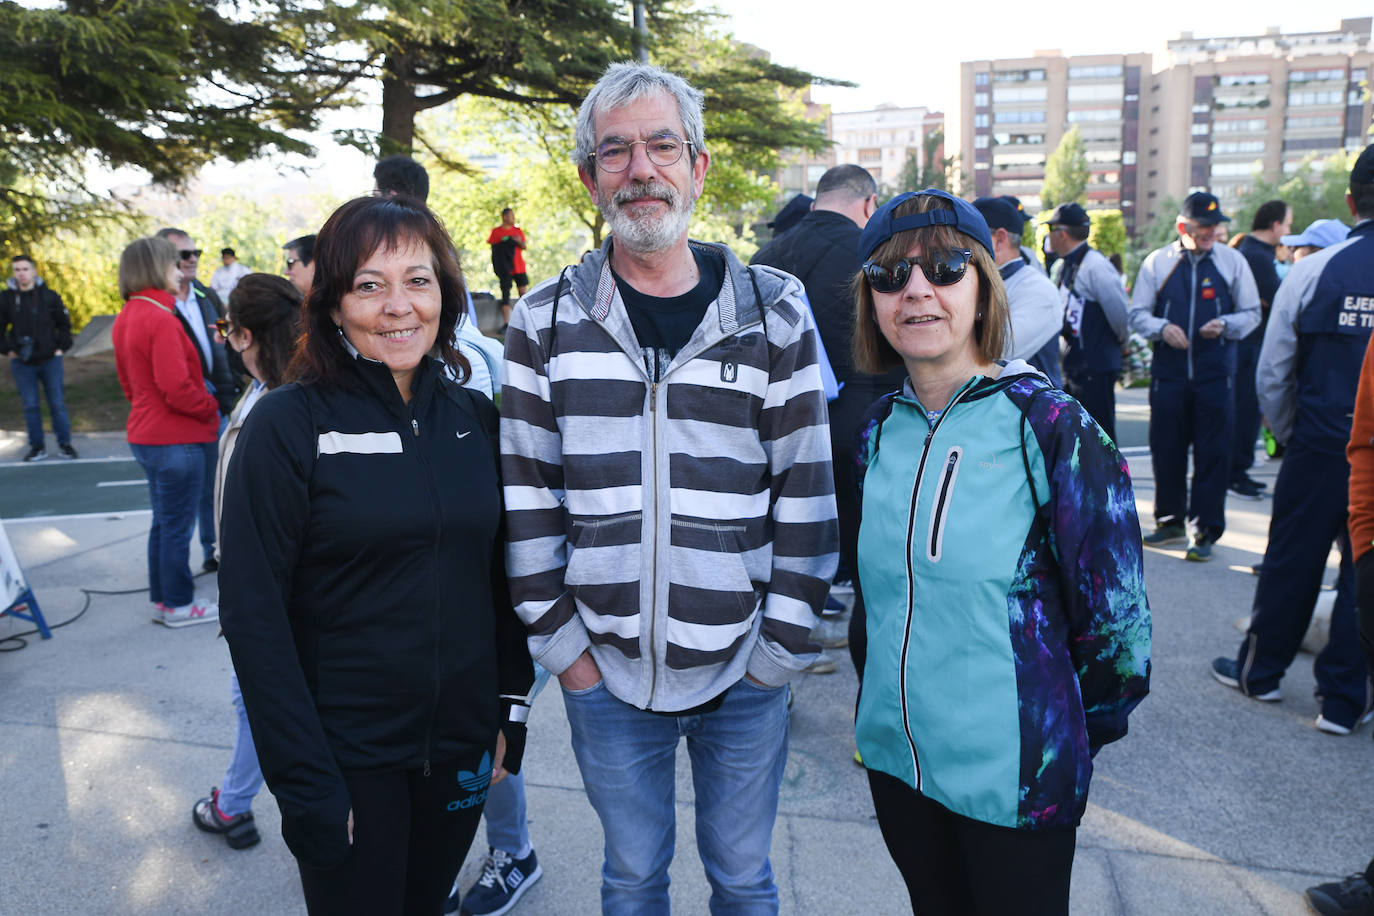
[(199, 308), (822, 251), (1273, 220), (364, 594), (34, 332)]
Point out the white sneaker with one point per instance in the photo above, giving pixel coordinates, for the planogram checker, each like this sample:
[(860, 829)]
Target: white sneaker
[(159, 612), (198, 611), (1335, 728)]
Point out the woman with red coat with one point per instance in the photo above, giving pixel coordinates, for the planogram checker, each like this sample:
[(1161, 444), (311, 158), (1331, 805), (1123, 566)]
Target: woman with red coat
[(172, 414)]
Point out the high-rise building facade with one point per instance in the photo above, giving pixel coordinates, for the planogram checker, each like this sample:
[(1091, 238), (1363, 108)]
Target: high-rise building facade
[(883, 138), (1220, 112)]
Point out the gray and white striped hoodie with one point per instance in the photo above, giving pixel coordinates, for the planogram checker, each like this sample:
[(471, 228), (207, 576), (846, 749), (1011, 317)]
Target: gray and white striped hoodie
[(684, 531)]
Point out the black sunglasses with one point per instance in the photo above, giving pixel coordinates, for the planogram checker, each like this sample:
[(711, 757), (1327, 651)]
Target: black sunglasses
[(942, 268), (189, 253)]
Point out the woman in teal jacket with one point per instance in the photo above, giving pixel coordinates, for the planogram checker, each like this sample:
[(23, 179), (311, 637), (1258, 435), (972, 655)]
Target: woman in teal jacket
[(1000, 559)]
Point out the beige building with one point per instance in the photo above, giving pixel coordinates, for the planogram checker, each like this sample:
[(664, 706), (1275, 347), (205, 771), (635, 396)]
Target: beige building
[(1220, 111), (881, 139)]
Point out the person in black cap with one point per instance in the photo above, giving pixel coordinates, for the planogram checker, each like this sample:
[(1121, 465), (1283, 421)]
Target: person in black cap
[(1026, 254), (1308, 376), (1194, 299), (795, 210), (1036, 315), (822, 251), (1094, 315)]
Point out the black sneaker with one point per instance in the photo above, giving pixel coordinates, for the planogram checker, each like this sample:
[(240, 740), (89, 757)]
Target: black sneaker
[(239, 831), (36, 453), (1166, 536), (1200, 551), (66, 451), (504, 879), (1350, 897), (210, 565), (1226, 672), (1246, 488)]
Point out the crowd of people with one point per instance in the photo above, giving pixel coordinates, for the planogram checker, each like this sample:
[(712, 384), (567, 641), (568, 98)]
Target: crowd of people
[(693, 455)]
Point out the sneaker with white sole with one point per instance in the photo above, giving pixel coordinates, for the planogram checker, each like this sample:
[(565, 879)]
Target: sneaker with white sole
[(198, 611), (1332, 727), (239, 831), (159, 612), (1226, 672), (504, 879)]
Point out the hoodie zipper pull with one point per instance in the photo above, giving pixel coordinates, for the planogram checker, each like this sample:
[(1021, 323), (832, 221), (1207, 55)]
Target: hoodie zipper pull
[(426, 768), (415, 425)]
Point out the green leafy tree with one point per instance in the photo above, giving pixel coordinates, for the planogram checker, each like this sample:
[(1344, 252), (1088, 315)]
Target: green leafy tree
[(1066, 172), (162, 85), (1316, 190), (931, 171), (1108, 232)]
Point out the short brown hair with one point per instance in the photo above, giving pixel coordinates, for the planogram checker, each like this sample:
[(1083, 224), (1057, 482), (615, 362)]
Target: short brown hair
[(351, 235), (992, 333), (143, 265)]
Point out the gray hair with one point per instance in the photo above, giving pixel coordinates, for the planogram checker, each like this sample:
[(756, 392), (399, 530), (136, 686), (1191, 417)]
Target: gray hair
[(628, 82)]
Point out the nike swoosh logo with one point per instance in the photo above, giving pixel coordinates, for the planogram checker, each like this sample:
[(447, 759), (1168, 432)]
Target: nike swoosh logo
[(461, 435)]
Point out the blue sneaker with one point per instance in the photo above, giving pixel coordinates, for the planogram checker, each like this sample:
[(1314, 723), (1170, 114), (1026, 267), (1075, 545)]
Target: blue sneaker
[(504, 879)]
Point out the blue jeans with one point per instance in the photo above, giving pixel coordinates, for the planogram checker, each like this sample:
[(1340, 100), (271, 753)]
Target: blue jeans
[(27, 379), (175, 474), (244, 777), (626, 757), (504, 811)]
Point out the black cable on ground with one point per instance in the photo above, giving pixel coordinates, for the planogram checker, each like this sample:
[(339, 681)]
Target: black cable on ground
[(86, 606)]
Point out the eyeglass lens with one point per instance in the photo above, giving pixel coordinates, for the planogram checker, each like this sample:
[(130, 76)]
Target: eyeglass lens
[(189, 253), (663, 150), (941, 268)]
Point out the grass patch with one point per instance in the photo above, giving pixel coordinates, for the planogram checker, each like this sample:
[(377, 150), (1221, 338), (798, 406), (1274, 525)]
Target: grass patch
[(95, 402)]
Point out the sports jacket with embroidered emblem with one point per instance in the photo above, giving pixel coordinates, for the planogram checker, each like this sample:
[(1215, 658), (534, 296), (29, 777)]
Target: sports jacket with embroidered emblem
[(683, 531), (362, 588), (1005, 644)]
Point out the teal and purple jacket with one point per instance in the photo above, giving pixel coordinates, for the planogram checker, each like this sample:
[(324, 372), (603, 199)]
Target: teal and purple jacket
[(1008, 629)]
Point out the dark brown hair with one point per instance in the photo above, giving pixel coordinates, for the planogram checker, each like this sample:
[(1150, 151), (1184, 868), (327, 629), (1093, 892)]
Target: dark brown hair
[(269, 307), (353, 233), (992, 333)]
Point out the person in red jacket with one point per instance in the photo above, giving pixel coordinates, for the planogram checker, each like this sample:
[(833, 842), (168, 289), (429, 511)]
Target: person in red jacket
[(507, 243), (172, 414)]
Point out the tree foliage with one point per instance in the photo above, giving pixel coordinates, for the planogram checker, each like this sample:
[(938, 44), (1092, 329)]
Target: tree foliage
[(929, 171), (1316, 190), (1066, 172), (163, 85), (1108, 231)]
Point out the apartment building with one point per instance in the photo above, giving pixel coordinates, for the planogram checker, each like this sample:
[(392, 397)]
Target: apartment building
[(881, 139), (1218, 112), (1015, 112)]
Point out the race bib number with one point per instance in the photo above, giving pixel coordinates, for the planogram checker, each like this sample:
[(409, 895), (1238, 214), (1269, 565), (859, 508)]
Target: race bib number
[(1073, 311)]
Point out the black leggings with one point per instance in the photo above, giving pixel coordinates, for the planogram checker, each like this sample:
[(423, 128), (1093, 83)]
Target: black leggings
[(956, 865), (407, 844)]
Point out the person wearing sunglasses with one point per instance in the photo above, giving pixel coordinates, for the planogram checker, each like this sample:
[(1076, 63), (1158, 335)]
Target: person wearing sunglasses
[(1194, 300), (300, 262), (1001, 566)]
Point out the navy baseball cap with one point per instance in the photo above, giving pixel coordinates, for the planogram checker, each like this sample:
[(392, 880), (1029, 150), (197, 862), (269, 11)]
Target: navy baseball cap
[(1000, 214), (882, 225), (1203, 209), (1016, 202), (1069, 214), (1363, 172)]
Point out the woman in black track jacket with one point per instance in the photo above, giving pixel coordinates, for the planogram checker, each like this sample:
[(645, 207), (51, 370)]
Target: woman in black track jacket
[(363, 590)]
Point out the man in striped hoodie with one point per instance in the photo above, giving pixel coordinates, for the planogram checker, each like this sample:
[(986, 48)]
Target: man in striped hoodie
[(670, 503)]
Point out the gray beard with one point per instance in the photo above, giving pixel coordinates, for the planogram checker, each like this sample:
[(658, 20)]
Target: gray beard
[(647, 234)]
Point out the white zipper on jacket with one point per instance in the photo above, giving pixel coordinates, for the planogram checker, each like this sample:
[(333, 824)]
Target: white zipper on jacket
[(911, 577)]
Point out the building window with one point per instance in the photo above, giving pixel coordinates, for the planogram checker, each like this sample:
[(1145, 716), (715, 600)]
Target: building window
[(1199, 108), (1106, 71), (1315, 76), (1312, 122), (1019, 117), (1239, 126), (1096, 92), (1095, 114), (980, 141), (1128, 157), (1200, 130), (980, 79), (1197, 150), (1315, 97), (1019, 94), (1233, 169), (1232, 147), (1244, 79), (980, 100), (980, 120)]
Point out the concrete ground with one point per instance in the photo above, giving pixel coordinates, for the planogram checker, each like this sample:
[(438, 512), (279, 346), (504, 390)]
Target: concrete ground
[(112, 729)]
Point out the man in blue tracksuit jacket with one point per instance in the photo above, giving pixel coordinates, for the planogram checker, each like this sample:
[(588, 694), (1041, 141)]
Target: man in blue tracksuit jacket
[(1273, 220), (1194, 299), (1309, 371), (1094, 314)]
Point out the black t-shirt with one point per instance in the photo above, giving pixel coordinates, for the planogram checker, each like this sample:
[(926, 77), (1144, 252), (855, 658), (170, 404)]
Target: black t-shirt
[(664, 325)]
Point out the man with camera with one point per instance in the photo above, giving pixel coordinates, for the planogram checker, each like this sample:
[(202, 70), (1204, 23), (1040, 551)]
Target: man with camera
[(35, 330)]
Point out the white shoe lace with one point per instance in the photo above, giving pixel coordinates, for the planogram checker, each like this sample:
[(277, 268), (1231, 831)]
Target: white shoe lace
[(491, 871)]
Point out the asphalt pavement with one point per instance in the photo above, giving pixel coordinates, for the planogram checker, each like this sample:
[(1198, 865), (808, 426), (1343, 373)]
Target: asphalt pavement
[(113, 728)]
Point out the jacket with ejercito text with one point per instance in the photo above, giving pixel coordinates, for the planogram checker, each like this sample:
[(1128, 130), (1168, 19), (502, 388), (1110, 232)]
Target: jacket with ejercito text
[(682, 531), (362, 588)]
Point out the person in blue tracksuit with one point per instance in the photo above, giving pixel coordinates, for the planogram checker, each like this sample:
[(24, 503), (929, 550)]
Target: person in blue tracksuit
[(1000, 556), (1309, 371), (1194, 299), (1272, 221), (1094, 314)]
